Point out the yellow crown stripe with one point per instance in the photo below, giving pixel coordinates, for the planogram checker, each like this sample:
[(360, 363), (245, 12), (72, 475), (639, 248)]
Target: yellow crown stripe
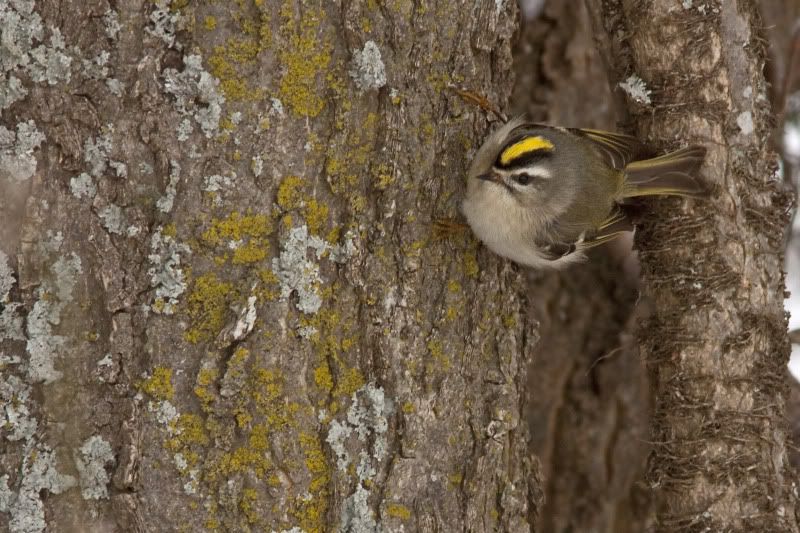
[(525, 146)]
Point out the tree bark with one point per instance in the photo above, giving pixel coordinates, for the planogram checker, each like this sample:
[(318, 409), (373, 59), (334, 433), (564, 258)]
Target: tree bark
[(716, 340), (229, 312)]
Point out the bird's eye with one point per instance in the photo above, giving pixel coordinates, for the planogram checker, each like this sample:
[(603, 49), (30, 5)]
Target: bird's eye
[(523, 179)]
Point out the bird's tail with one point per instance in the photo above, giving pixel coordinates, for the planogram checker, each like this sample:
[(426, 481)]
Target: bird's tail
[(669, 174)]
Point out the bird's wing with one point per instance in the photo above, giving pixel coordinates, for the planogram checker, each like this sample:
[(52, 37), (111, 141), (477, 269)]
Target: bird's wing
[(617, 149)]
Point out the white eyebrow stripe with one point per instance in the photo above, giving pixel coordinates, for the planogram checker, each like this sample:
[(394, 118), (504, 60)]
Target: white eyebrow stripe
[(536, 172), (542, 173)]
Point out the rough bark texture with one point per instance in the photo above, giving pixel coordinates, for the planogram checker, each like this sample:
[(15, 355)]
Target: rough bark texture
[(712, 271), (228, 312)]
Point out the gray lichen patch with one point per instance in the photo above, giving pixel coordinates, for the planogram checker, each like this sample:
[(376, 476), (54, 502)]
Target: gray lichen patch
[(111, 20), (92, 459), (635, 87), (82, 186), (43, 344), (7, 280), (17, 162), (745, 122), (162, 23), (11, 91), (97, 68), (16, 421), (50, 63), (97, 150), (166, 275), (113, 219), (364, 430), (367, 69), (39, 473), (196, 94), (217, 184), (300, 275), (22, 26)]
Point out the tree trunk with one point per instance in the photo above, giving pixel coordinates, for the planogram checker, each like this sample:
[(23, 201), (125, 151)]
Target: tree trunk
[(224, 307), (715, 341)]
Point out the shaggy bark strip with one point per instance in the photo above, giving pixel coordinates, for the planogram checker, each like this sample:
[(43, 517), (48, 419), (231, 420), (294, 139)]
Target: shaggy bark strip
[(712, 271)]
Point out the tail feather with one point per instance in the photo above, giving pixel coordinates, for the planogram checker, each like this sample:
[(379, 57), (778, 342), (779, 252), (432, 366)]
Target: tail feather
[(669, 174)]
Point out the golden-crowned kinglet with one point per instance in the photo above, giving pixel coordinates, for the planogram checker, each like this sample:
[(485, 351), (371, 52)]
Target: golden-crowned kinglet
[(541, 196)]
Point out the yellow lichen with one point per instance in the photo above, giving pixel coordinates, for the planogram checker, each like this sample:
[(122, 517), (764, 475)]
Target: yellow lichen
[(289, 192), (310, 512), (233, 61), (269, 285), (202, 390), (291, 196), (471, 263), (237, 228), (249, 253), (159, 384), (323, 377), (304, 58), (210, 22), (189, 432), (169, 230), (397, 510), (247, 504), (207, 306), (350, 381), (316, 216), (436, 350), (451, 313)]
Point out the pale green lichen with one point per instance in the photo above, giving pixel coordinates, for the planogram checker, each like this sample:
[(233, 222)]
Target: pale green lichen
[(82, 186), (112, 26), (113, 219), (16, 421), (10, 318), (300, 275), (166, 274), (17, 161), (162, 23), (43, 345), (22, 26), (367, 69), (91, 460), (368, 422), (196, 94), (96, 151), (39, 473)]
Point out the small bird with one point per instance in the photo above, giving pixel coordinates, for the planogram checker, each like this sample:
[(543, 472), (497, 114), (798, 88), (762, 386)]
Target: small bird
[(542, 195)]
